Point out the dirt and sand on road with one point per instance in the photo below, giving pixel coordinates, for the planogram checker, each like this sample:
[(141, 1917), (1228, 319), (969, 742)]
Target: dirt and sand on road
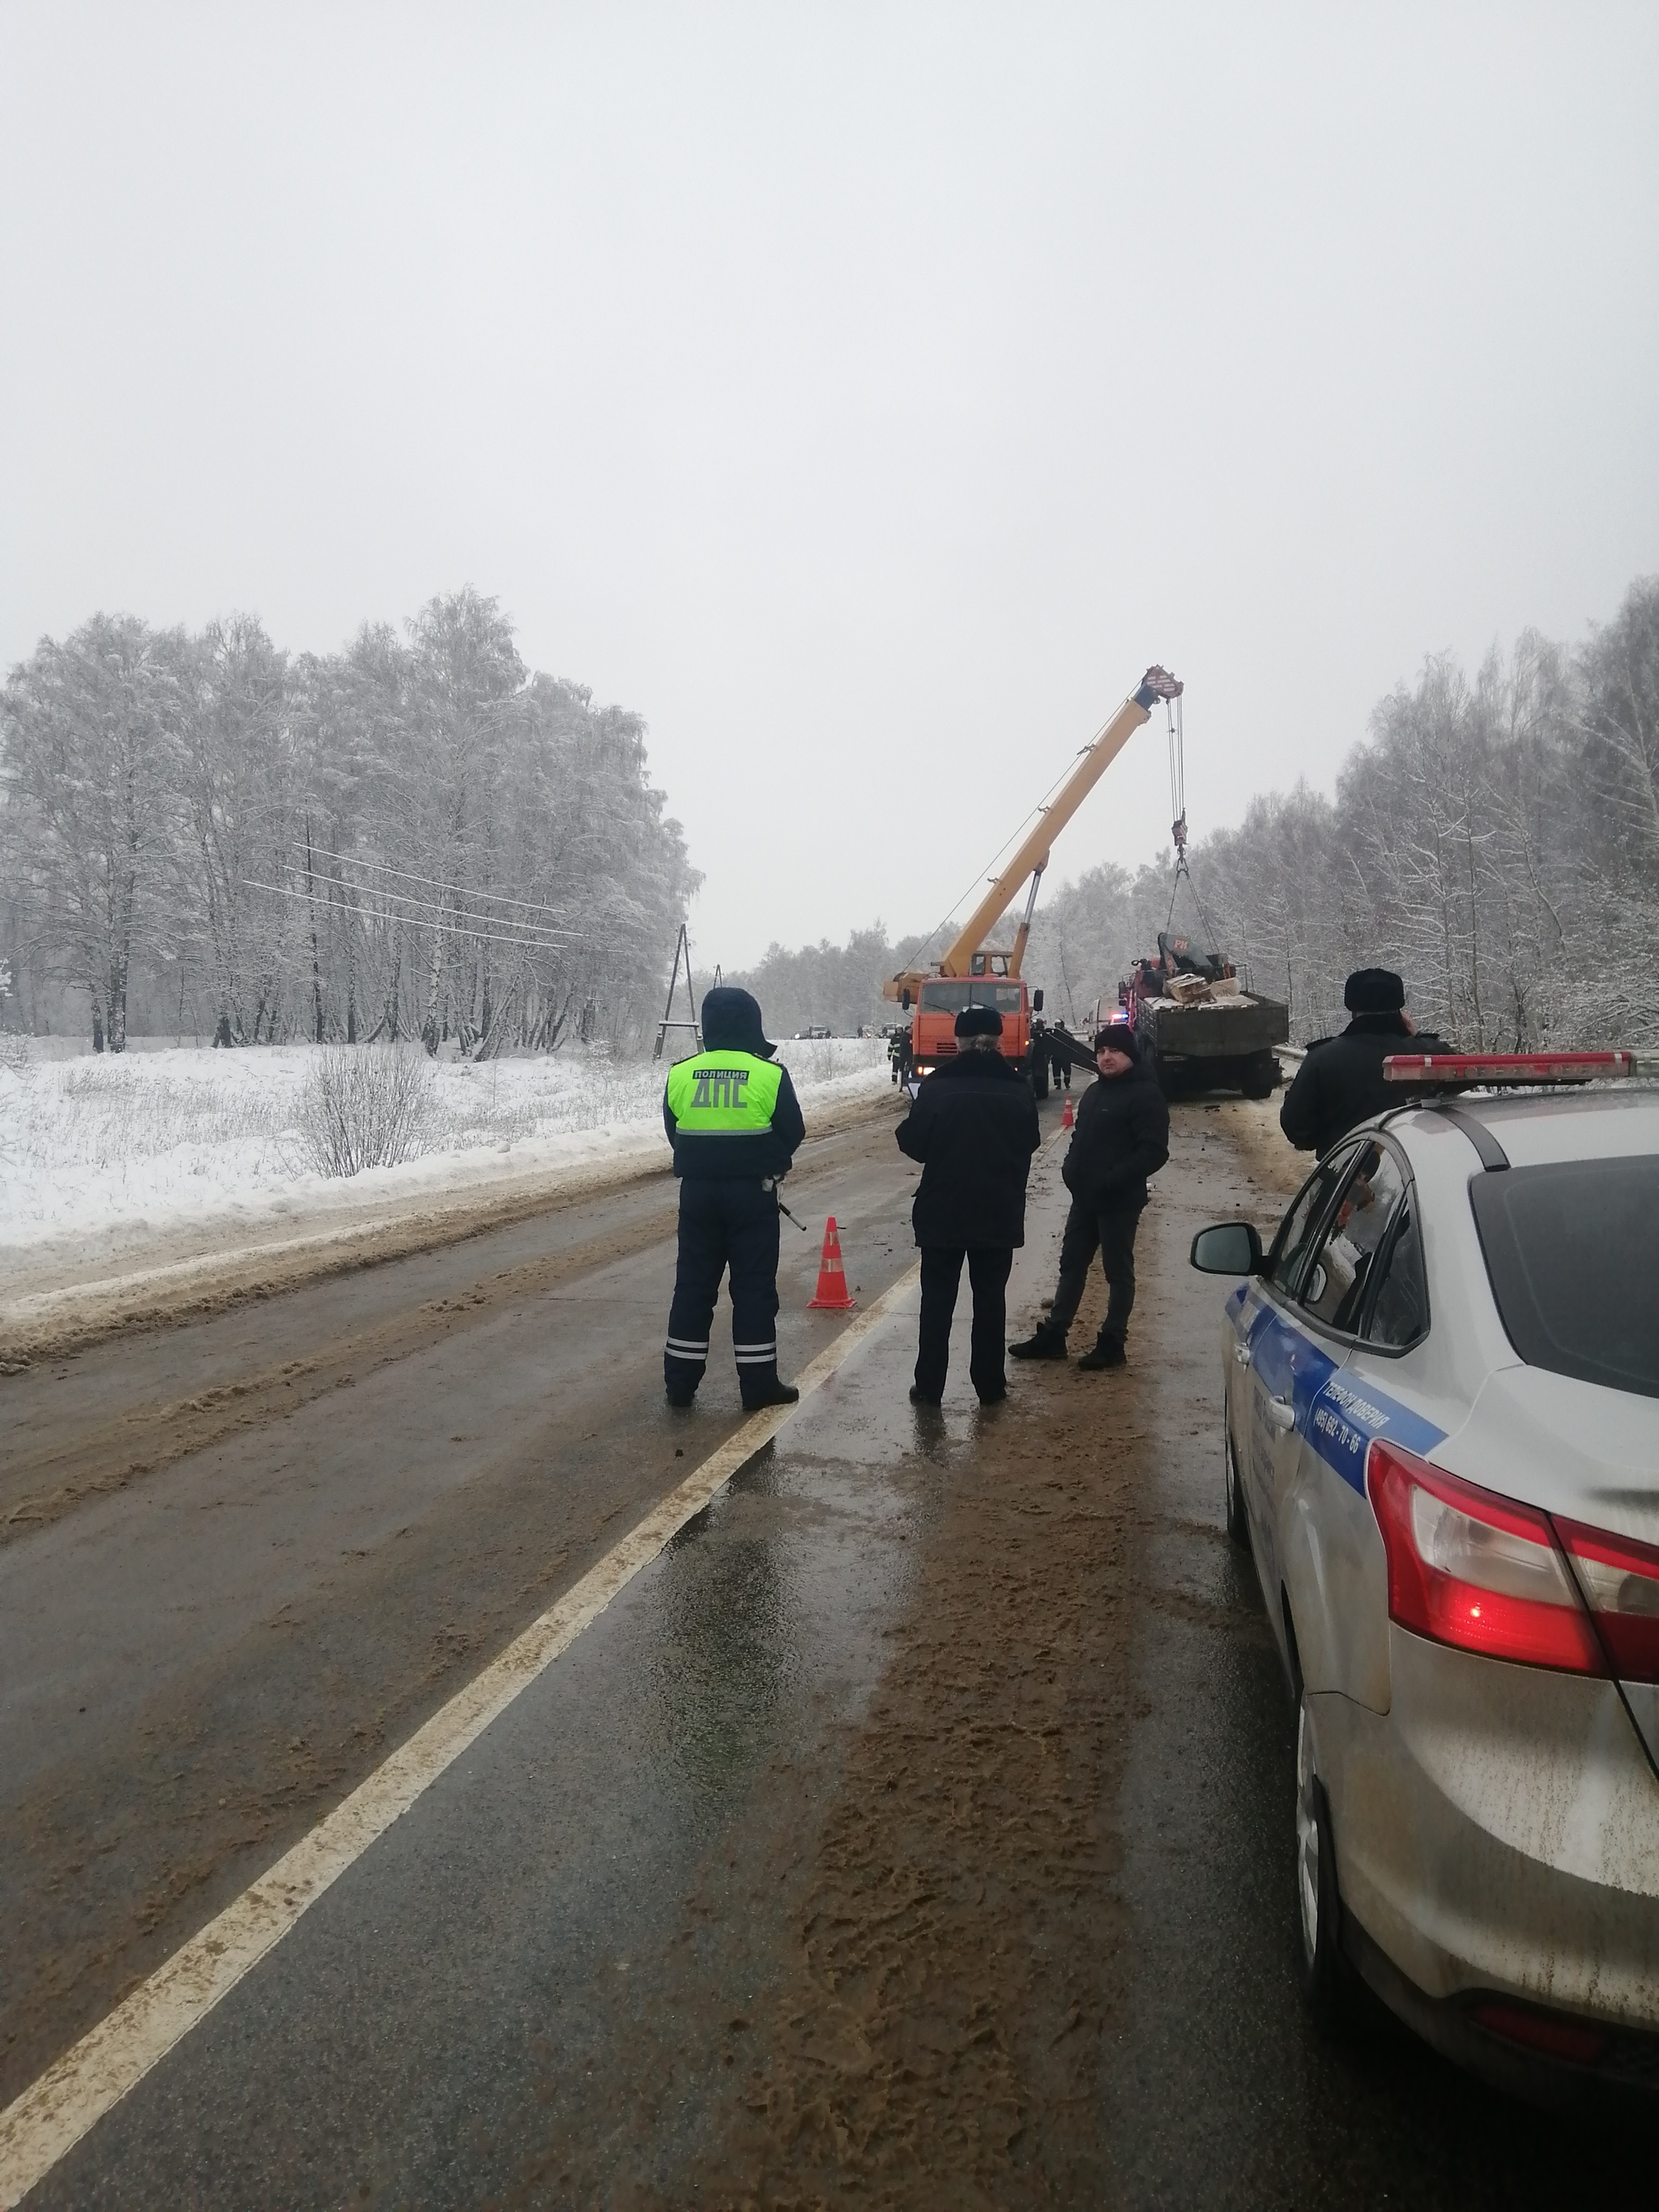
[(949, 1991)]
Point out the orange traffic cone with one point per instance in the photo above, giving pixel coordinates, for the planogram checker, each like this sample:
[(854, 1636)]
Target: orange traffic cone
[(831, 1292), (1067, 1118)]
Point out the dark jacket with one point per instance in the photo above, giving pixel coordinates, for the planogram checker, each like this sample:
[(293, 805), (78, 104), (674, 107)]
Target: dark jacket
[(973, 1126), (1121, 1137), (1340, 1084), (731, 1022)]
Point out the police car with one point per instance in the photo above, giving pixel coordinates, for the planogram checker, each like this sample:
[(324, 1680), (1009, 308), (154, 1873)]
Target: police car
[(1441, 1387)]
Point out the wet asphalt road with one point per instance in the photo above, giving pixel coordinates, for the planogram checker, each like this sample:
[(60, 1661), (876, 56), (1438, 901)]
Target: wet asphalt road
[(537, 1988), (293, 1528)]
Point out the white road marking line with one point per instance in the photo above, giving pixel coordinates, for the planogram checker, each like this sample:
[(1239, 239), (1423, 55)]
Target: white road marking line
[(71, 2096)]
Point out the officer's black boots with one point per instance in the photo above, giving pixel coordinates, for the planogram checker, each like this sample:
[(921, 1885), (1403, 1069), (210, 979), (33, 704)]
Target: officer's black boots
[(681, 1399), (1044, 1345), (771, 1393)]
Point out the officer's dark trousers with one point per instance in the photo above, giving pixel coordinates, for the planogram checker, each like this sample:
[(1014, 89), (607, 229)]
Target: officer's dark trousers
[(724, 1225), (1112, 1236), (941, 1276)]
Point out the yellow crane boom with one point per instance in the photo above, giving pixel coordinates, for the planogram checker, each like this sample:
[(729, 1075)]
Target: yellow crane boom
[(1032, 855)]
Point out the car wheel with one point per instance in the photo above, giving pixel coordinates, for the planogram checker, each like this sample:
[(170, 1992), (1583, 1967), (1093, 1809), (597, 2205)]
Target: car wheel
[(1330, 1987), (1238, 1525)]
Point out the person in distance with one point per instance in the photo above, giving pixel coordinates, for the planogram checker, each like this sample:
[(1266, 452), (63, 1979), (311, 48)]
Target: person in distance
[(1121, 1137), (1340, 1082), (973, 1127), (734, 1121)]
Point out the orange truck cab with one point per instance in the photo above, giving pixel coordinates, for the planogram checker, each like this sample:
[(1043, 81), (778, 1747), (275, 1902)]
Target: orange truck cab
[(933, 1025)]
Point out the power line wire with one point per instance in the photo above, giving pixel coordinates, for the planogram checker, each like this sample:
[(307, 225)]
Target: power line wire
[(433, 883), (432, 906), (410, 921)]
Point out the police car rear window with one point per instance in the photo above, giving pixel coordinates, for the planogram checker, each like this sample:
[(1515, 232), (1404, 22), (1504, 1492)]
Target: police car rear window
[(1572, 1251)]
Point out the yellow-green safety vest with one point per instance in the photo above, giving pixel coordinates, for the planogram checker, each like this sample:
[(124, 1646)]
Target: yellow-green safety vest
[(724, 1094)]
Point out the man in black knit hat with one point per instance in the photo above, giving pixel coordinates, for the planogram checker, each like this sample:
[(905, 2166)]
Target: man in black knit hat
[(973, 1127), (1340, 1083), (1121, 1137)]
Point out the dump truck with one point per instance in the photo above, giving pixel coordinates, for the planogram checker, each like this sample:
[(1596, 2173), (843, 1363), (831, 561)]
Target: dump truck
[(972, 973), (1196, 1028)]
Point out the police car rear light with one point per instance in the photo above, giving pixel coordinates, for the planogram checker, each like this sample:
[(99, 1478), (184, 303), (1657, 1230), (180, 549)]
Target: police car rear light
[(1554, 2034), (1475, 1570), (1619, 1579), (1489, 1068)]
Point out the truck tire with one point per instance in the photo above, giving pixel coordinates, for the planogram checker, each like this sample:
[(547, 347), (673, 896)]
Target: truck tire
[(1260, 1076)]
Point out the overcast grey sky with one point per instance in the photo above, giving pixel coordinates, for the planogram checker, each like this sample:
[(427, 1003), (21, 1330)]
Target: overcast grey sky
[(863, 394)]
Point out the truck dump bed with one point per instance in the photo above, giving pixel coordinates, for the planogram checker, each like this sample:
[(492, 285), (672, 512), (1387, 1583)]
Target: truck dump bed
[(1225, 1028)]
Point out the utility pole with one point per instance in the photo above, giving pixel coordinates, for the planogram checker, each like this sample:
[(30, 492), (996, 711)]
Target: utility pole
[(682, 947)]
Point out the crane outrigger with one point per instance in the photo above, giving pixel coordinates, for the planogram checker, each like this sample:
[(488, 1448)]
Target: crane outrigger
[(971, 973)]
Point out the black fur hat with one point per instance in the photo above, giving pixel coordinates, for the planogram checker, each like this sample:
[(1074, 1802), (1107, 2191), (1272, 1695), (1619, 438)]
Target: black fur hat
[(979, 1021), (1373, 991)]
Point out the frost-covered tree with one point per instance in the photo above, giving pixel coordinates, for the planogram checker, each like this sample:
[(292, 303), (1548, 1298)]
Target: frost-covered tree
[(243, 799), (92, 754), (413, 836)]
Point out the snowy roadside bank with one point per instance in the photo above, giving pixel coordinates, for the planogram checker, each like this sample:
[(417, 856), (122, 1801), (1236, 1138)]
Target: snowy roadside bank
[(172, 1160)]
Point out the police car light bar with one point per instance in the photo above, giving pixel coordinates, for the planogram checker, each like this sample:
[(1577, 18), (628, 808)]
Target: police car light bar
[(1490, 1068)]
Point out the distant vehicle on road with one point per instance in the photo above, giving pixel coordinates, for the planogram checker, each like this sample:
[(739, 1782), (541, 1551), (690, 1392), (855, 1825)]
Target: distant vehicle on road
[(1441, 1449), (817, 1030)]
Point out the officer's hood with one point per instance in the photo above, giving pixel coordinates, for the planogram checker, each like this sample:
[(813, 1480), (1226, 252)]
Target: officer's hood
[(731, 1020)]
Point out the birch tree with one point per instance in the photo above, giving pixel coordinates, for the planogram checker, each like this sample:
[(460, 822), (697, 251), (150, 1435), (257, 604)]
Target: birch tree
[(91, 736)]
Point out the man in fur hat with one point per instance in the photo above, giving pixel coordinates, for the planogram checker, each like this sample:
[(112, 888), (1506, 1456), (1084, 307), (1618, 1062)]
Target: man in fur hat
[(1340, 1084), (973, 1127)]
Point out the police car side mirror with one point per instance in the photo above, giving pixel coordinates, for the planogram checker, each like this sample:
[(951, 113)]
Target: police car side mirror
[(1231, 1247), (1037, 1002)]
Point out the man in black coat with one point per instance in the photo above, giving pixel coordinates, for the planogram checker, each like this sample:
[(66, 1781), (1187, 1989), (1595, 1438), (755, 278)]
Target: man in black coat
[(1060, 1057), (1339, 1083), (1121, 1137), (973, 1127)]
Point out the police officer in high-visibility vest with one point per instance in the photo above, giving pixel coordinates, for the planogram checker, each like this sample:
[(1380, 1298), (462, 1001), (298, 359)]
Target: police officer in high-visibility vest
[(734, 1123)]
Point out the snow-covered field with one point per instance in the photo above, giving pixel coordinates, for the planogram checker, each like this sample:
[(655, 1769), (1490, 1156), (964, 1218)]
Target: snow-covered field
[(160, 1140)]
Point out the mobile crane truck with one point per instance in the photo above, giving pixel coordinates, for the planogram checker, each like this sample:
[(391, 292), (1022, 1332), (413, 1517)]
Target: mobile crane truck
[(974, 974)]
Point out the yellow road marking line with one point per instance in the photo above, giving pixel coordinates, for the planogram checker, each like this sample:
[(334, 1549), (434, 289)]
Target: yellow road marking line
[(71, 2096)]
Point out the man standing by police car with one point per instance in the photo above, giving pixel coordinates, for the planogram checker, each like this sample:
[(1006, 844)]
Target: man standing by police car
[(1121, 1137), (734, 1123), (1340, 1082)]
